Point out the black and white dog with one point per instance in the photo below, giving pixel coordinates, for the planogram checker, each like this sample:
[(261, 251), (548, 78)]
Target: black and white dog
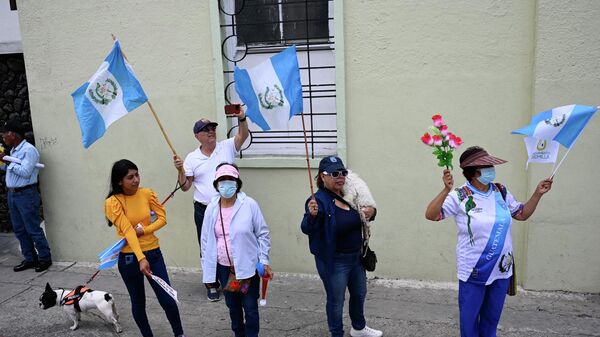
[(81, 299)]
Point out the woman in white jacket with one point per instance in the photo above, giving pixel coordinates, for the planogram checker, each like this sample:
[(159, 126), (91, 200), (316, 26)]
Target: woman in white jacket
[(235, 238)]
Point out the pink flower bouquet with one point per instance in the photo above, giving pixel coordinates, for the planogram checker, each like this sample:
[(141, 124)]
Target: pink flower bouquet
[(442, 141)]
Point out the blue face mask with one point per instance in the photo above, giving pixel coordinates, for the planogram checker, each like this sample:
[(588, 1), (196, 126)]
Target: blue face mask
[(488, 174), (227, 188)]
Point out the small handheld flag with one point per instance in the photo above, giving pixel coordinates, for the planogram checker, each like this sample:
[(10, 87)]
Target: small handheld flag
[(166, 287), (110, 256), (111, 93), (271, 90), (562, 124)]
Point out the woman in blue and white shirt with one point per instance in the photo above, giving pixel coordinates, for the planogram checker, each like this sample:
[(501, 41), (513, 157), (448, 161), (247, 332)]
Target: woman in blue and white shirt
[(483, 212)]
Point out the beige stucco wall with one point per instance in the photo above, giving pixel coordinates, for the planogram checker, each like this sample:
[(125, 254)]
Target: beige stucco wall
[(472, 61), (563, 250)]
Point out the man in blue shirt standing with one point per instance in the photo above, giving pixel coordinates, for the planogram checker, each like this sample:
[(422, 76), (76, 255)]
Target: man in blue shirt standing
[(24, 198)]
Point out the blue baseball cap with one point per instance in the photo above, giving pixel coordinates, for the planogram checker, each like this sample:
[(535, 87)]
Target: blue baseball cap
[(201, 124), (331, 164)]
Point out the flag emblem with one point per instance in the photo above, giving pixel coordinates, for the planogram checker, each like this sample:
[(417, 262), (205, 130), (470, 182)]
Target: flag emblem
[(271, 99), (103, 94), (541, 145), (555, 122)]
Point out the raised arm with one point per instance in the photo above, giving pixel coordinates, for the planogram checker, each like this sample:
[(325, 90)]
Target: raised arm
[(243, 132), (434, 208), (529, 207)]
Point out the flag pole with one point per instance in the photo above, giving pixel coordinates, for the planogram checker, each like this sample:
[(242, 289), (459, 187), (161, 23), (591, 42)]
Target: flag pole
[(312, 193), (152, 110), (569, 150)]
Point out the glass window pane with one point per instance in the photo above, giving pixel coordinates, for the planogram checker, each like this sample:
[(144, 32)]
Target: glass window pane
[(295, 20), (257, 22)]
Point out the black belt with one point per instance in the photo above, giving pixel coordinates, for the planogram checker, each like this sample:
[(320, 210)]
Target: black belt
[(19, 189)]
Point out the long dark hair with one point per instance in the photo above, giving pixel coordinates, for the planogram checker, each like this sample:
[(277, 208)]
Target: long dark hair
[(119, 171)]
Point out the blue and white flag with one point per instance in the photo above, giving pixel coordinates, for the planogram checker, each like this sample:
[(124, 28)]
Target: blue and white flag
[(111, 93), (110, 256), (271, 90), (562, 124)]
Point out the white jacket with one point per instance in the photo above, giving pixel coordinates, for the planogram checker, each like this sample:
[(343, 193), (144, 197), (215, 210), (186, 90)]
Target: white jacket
[(249, 236)]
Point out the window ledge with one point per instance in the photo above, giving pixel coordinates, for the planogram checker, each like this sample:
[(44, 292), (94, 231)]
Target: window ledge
[(276, 162)]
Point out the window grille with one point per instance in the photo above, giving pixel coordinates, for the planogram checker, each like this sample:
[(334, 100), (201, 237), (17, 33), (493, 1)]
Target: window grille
[(254, 30)]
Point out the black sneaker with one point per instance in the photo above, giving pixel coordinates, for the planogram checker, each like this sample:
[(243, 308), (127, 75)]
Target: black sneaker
[(43, 265), (24, 265), (213, 294)]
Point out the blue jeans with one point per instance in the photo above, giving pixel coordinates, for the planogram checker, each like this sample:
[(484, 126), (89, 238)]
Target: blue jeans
[(24, 208), (242, 305), (480, 307), (348, 272), (129, 269), (199, 210)]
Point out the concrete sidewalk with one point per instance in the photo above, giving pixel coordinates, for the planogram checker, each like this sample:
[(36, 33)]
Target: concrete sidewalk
[(296, 306)]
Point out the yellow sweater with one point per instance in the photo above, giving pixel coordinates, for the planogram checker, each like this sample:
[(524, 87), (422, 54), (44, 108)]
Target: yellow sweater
[(126, 211)]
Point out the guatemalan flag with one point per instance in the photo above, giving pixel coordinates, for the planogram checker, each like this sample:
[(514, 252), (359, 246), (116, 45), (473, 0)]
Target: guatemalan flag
[(562, 124), (271, 90), (111, 93), (110, 256)]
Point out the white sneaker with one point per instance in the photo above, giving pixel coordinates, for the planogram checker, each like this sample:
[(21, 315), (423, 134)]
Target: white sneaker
[(366, 332)]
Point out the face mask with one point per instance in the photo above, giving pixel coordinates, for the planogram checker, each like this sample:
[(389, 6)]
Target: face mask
[(227, 188), (488, 174)]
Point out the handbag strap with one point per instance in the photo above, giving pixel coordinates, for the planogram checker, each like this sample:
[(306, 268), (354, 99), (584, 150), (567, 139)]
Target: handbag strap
[(225, 237)]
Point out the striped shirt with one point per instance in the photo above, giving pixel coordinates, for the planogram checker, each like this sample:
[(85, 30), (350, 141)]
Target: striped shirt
[(25, 173)]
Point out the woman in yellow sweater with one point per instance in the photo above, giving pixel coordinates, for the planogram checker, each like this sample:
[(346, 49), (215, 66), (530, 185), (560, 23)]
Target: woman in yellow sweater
[(128, 207)]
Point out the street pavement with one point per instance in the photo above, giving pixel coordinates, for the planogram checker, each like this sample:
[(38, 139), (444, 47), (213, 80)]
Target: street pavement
[(295, 306)]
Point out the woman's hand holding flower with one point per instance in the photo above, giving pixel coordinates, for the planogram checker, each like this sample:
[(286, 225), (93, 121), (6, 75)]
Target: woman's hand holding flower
[(448, 180)]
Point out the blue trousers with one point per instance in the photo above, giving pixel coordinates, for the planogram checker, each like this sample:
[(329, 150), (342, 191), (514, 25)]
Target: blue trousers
[(24, 208), (480, 307), (129, 269), (241, 305), (348, 272)]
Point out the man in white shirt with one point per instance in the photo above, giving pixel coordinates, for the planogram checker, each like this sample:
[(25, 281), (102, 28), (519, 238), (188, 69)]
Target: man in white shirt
[(199, 167)]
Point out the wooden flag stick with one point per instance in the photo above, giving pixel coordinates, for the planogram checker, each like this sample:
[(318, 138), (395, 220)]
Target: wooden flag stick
[(152, 110), (312, 193)]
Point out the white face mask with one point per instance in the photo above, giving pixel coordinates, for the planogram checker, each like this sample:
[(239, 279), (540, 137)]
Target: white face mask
[(227, 188), (488, 174)]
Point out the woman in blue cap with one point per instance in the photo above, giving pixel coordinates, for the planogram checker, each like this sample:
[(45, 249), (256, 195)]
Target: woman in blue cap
[(335, 227)]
